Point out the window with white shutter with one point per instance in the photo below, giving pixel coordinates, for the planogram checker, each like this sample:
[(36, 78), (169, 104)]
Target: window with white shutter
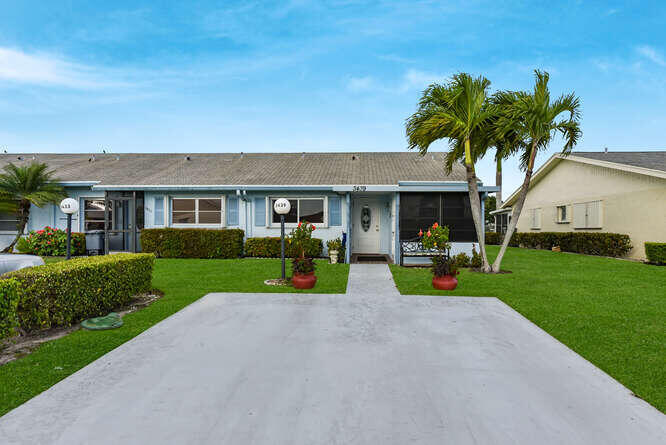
[(587, 215)]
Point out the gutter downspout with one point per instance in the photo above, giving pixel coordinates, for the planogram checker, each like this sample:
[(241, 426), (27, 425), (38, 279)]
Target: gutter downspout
[(349, 235)]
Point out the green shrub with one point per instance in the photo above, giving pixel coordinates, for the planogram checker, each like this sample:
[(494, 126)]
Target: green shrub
[(461, 260), (656, 252), (9, 298), (64, 293), (269, 247), (193, 243), (589, 243), (494, 238), (51, 242), (477, 260)]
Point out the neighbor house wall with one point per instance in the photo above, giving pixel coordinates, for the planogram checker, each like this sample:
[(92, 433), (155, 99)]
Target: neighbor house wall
[(632, 204)]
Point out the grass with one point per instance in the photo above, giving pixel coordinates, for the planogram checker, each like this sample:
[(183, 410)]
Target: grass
[(183, 282), (612, 312)]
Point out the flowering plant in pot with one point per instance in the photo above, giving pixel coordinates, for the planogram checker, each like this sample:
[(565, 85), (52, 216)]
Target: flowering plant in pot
[(303, 268), (443, 268)]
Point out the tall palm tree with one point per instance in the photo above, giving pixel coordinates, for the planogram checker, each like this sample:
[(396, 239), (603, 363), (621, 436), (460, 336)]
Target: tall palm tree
[(21, 187), (506, 142), (534, 120), (461, 113)]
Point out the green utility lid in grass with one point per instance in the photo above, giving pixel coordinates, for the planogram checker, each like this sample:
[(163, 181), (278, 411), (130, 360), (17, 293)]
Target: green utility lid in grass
[(110, 321)]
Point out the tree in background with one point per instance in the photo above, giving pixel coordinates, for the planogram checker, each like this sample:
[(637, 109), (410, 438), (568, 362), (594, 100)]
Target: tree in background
[(21, 187), (489, 205)]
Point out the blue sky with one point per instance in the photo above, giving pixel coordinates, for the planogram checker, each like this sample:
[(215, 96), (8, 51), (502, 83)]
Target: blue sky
[(311, 76)]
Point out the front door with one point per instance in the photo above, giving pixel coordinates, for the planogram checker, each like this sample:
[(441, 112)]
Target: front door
[(366, 221)]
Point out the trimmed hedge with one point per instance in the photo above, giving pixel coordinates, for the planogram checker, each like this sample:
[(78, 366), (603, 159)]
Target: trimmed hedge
[(193, 243), (494, 238), (656, 252), (64, 293), (588, 243), (269, 247), (9, 298)]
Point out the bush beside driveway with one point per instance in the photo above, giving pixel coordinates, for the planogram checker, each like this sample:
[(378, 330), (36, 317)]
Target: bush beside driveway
[(183, 281), (612, 312)]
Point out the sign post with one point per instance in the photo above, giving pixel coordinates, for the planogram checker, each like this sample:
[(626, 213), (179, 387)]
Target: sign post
[(282, 207), (69, 206)]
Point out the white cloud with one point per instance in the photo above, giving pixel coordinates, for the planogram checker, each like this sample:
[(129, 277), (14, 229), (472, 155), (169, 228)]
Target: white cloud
[(415, 79), (49, 70), (651, 54), (357, 84)]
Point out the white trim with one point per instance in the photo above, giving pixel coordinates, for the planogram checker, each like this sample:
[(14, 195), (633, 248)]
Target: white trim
[(196, 225)]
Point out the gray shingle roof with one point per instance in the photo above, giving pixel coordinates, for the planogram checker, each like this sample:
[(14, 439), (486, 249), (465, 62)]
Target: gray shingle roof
[(371, 168), (655, 160)]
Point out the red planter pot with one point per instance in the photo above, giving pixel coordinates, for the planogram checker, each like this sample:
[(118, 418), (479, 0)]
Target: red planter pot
[(304, 281), (446, 282)]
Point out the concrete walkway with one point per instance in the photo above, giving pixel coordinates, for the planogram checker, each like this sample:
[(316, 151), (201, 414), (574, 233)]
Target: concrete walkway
[(368, 367)]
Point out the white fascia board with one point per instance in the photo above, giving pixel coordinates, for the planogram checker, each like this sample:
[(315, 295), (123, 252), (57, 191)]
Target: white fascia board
[(616, 166)]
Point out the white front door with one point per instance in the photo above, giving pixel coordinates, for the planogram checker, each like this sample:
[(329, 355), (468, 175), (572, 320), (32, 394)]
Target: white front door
[(366, 221)]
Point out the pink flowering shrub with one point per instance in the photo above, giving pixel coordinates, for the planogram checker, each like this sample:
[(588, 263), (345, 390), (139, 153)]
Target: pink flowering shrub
[(52, 242)]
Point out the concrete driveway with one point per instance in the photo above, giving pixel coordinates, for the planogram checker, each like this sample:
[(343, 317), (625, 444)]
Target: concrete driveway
[(368, 367)]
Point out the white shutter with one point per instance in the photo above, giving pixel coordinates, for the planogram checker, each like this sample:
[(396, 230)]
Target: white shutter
[(569, 210), (579, 215), (538, 218), (594, 214)]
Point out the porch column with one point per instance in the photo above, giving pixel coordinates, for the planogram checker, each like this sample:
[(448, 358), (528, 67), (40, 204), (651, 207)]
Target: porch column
[(397, 257), (349, 234), (106, 222), (483, 218)]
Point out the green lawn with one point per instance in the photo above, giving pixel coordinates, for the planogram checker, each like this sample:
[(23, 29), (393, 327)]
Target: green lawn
[(183, 282), (612, 312)]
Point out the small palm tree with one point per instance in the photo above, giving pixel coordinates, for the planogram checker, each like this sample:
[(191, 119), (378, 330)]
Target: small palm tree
[(461, 113), (21, 187), (531, 121)]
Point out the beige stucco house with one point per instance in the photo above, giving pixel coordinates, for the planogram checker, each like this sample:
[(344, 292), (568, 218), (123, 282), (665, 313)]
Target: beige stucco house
[(621, 192)]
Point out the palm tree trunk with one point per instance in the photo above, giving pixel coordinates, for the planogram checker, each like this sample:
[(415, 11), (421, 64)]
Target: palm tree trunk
[(498, 183), (517, 209), (23, 215), (475, 204)]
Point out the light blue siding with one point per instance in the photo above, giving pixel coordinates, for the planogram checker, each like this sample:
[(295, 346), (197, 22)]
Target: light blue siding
[(334, 211), (232, 211), (260, 212)]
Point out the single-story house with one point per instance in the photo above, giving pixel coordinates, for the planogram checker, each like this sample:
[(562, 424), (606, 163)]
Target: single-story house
[(620, 192), (375, 199)]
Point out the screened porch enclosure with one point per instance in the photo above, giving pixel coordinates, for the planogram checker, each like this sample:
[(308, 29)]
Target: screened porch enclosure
[(418, 211), (123, 213)]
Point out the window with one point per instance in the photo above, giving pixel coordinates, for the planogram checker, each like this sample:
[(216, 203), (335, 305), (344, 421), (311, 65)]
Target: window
[(563, 214), (535, 215), (587, 215), (8, 222), (158, 211), (302, 209), (202, 211), (93, 214)]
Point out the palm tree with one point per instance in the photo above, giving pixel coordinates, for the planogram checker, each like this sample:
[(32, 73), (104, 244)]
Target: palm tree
[(21, 187), (461, 113), (533, 121), (507, 142)]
